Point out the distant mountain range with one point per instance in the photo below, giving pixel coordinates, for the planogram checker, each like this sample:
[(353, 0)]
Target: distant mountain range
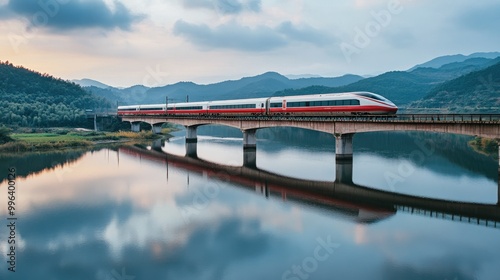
[(90, 83), (258, 86), (402, 87), (461, 85), (448, 59)]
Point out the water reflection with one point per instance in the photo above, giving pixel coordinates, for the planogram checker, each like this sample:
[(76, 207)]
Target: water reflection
[(424, 164), (153, 216)]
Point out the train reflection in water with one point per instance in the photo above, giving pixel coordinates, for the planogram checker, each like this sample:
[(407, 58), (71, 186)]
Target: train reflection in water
[(341, 198)]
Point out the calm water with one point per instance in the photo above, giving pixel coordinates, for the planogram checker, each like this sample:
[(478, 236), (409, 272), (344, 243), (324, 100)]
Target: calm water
[(127, 213)]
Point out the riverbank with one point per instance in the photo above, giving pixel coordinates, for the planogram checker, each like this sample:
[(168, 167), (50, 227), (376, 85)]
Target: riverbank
[(54, 139), (485, 146)]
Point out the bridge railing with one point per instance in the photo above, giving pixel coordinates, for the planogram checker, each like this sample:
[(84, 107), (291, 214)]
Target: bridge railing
[(413, 118), (449, 117), (446, 216)]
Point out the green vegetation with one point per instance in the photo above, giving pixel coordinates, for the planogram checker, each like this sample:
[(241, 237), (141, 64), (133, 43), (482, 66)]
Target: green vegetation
[(484, 146), (29, 98), (5, 135), (475, 92), (63, 138), (403, 87)]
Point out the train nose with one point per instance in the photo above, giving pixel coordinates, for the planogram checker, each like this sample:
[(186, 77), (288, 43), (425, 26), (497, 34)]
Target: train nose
[(392, 104)]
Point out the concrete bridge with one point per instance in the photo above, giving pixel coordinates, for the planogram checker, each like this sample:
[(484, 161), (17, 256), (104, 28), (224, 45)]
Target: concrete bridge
[(343, 128), (343, 197)]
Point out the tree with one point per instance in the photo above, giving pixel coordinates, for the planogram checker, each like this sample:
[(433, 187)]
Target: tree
[(5, 135)]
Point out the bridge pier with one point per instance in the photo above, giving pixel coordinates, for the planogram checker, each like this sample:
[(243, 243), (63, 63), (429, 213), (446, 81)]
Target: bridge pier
[(343, 171), (343, 146), (157, 144), (249, 148), (156, 128), (135, 126), (191, 141)]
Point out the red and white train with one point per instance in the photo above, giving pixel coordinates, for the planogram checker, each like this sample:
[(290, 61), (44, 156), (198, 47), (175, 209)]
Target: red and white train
[(349, 103)]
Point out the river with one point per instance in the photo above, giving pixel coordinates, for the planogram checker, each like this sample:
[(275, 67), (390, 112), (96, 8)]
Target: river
[(135, 213)]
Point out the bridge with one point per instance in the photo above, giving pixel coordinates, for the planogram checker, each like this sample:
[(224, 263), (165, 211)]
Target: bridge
[(342, 127), (342, 197)]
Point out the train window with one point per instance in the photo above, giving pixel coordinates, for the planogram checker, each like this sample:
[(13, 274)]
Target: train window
[(149, 109), (129, 109), (372, 95), (276, 105), (190, 108), (237, 106)]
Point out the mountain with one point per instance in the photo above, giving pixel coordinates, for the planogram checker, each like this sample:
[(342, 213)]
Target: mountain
[(477, 91), (90, 83), (447, 59), (249, 87), (293, 76), (404, 87), (130, 95), (29, 98)]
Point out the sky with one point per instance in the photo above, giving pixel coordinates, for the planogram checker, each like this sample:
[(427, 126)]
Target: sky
[(158, 42)]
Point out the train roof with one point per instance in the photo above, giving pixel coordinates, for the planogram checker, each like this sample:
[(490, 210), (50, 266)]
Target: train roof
[(340, 94), (264, 99)]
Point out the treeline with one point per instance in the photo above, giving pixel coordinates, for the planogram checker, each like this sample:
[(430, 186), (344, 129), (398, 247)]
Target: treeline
[(29, 98)]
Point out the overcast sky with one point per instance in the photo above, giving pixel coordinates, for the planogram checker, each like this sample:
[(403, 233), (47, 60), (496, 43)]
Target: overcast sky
[(158, 42)]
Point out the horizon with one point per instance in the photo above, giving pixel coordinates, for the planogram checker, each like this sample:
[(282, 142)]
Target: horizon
[(208, 41)]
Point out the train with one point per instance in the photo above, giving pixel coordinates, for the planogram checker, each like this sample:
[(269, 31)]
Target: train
[(347, 103)]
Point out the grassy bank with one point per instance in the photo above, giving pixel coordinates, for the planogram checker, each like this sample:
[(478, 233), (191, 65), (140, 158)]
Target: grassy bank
[(70, 138), (484, 146)]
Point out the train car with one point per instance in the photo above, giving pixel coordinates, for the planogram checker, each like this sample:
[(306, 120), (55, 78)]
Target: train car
[(332, 104), (254, 106), (129, 110), (350, 103), (141, 109), (158, 109), (187, 108)]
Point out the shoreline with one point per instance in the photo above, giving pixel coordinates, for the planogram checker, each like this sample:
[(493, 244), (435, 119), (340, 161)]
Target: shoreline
[(72, 138)]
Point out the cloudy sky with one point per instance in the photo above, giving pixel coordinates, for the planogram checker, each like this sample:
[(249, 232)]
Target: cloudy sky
[(158, 42)]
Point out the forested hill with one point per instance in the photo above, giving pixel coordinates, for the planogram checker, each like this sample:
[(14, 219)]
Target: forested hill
[(29, 98), (475, 92)]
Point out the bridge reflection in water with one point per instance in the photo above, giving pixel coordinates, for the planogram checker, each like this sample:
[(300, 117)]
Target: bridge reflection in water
[(342, 197)]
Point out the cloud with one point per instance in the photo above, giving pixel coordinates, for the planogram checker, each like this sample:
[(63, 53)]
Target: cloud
[(304, 33), (225, 6), (232, 35), (483, 18), (401, 39), (74, 14)]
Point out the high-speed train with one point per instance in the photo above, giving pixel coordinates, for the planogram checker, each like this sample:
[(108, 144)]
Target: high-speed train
[(348, 103)]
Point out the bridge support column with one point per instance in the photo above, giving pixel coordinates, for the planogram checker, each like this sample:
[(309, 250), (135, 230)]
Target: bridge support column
[(135, 126), (157, 144), (343, 146), (191, 141), (498, 190), (249, 148), (343, 171), (156, 128)]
